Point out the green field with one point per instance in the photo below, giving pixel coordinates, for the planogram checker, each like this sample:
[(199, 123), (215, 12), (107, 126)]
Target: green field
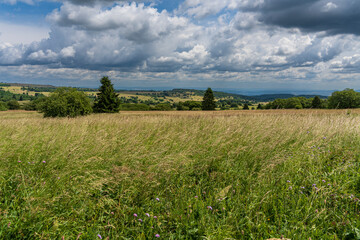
[(182, 175)]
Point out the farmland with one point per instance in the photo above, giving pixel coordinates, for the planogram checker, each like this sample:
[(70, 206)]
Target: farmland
[(181, 175)]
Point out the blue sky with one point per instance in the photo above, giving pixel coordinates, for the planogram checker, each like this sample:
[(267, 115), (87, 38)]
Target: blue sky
[(258, 45)]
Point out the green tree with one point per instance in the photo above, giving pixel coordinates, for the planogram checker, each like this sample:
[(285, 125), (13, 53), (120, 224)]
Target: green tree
[(260, 106), (246, 107), (3, 106), (66, 102), (208, 102), (316, 102), (107, 100), (347, 98), (13, 105)]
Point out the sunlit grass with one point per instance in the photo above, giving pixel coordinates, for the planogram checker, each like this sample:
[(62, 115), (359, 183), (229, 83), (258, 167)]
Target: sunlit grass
[(204, 175)]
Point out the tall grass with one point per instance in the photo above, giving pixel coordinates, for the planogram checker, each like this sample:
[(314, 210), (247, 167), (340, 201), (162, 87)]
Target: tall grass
[(181, 175)]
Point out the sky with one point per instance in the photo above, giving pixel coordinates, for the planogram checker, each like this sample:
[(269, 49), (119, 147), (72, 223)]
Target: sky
[(240, 45)]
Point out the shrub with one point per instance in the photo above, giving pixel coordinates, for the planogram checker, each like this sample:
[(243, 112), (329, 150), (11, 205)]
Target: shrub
[(66, 102), (3, 106), (13, 105)]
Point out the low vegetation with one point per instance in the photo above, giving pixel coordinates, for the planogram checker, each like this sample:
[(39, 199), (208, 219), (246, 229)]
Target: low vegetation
[(181, 175)]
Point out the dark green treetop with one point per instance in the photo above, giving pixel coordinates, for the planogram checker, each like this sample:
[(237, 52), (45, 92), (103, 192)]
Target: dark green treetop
[(107, 100), (208, 102), (316, 102)]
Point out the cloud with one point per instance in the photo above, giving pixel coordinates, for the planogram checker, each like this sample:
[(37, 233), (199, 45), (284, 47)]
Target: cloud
[(334, 17), (244, 42)]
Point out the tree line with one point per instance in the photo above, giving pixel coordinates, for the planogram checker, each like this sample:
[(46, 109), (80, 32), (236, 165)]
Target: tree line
[(69, 102)]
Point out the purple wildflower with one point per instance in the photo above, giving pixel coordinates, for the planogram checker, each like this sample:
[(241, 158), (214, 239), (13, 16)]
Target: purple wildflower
[(316, 188), (157, 235), (99, 236), (302, 187), (196, 196), (314, 185), (157, 199), (324, 137), (329, 185), (147, 214), (288, 181), (19, 161), (44, 161), (301, 192), (140, 220), (155, 217), (290, 188), (323, 181), (135, 215), (209, 207)]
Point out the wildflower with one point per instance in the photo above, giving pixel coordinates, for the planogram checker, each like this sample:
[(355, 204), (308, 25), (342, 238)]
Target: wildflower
[(140, 220), (209, 207), (19, 161), (301, 192), (44, 161), (99, 236), (323, 181), (290, 188), (196, 196), (314, 185), (155, 217), (112, 213), (316, 189), (147, 214), (329, 184), (157, 199), (157, 235), (288, 181), (324, 138), (135, 215), (302, 187)]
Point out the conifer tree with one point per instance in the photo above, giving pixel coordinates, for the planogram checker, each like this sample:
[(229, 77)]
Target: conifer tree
[(107, 100), (316, 102), (208, 102)]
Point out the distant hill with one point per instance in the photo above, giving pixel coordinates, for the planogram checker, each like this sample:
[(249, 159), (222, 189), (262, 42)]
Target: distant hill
[(177, 92)]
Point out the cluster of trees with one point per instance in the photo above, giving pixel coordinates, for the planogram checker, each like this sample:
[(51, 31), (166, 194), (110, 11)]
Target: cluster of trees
[(68, 102), (297, 103), (347, 98)]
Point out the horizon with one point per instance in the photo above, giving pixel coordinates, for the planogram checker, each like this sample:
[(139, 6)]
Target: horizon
[(261, 46)]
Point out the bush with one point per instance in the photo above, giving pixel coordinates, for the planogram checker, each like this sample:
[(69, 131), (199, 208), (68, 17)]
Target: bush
[(34, 105), (66, 102), (3, 106), (13, 105)]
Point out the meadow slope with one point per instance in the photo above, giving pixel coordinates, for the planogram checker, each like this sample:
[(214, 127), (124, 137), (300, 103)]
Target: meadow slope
[(181, 175)]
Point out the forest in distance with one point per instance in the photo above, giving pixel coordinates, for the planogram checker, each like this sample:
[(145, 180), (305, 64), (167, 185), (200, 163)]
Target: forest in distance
[(31, 97)]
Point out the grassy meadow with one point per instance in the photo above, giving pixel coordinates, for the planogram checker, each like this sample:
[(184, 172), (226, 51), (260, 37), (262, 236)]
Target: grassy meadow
[(181, 175)]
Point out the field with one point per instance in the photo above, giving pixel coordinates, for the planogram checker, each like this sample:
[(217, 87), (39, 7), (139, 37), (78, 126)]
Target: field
[(181, 175)]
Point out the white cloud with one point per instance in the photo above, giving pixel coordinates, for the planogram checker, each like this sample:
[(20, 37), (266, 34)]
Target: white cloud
[(17, 34)]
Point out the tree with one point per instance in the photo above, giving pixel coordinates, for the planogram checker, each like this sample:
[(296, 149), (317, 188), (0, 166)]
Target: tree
[(13, 105), (316, 102), (208, 102), (66, 102), (246, 107), (260, 106), (3, 106), (347, 98), (107, 100)]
